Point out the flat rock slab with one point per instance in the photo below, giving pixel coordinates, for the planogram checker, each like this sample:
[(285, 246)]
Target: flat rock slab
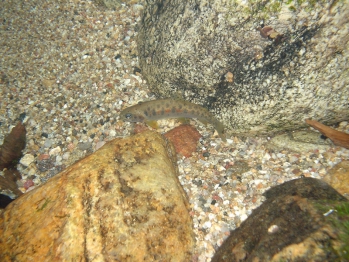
[(122, 203), (301, 220)]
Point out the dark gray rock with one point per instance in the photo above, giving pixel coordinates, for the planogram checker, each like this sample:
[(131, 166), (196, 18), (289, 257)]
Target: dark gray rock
[(295, 223), (260, 67)]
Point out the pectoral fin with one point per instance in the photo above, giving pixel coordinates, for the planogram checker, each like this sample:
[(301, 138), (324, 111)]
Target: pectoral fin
[(152, 124), (204, 122), (183, 120)]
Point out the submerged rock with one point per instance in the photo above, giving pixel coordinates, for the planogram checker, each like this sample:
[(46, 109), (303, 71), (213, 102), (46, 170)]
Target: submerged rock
[(184, 138), (301, 220), (259, 66), (338, 177), (122, 203), (10, 154)]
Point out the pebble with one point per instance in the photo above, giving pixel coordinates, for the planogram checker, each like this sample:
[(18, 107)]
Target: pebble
[(55, 151), (27, 159), (66, 155), (99, 144), (43, 156), (29, 183), (48, 143), (84, 146)]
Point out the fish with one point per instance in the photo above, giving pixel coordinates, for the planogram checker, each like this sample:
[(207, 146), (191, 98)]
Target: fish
[(170, 108), (337, 137)]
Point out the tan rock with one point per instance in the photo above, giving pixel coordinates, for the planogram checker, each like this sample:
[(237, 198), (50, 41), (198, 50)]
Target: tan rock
[(122, 203), (338, 178)]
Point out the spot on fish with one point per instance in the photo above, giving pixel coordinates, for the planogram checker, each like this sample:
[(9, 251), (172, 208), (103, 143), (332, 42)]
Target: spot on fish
[(173, 110)]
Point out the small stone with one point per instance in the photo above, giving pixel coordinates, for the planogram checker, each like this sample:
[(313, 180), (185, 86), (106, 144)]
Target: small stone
[(206, 154), (99, 144), (66, 155), (44, 165), (58, 159), (229, 77), (273, 229), (27, 159), (55, 151), (48, 143), (43, 157), (47, 83), (266, 157), (293, 159), (28, 183), (184, 139), (338, 178), (84, 146)]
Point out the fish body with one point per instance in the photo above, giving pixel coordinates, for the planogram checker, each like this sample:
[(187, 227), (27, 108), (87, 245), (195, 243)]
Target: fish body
[(170, 108)]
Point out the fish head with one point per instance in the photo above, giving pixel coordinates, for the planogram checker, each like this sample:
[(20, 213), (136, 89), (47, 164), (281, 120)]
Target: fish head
[(132, 114)]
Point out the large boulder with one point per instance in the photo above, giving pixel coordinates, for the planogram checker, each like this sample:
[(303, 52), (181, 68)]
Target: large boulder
[(122, 203), (260, 67)]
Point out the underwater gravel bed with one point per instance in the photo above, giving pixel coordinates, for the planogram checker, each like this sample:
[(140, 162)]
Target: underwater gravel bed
[(67, 69)]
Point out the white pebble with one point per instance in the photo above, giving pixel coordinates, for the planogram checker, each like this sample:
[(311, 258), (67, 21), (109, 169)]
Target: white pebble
[(58, 159), (207, 224), (211, 216), (273, 229), (266, 156), (27, 159), (55, 151), (293, 159), (66, 155), (243, 217)]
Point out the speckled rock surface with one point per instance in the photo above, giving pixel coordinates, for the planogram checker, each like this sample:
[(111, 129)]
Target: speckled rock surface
[(122, 203), (290, 226), (259, 67)]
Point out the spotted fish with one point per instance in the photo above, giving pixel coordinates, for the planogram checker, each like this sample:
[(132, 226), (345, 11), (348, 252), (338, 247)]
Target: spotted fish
[(170, 108)]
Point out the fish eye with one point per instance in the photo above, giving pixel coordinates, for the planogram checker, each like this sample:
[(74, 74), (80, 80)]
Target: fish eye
[(128, 115)]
